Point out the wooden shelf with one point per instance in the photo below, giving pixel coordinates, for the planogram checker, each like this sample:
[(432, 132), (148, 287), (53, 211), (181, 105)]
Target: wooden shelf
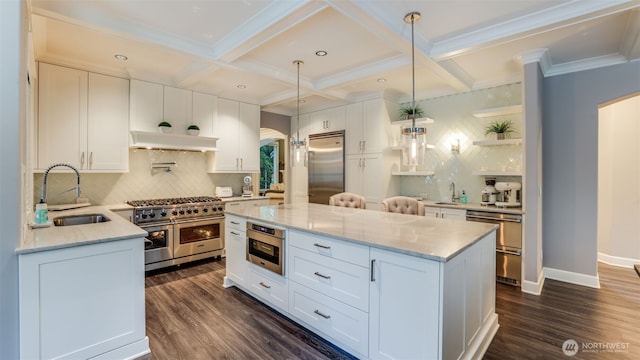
[(429, 147), (505, 110), (498, 142), (413, 173), (496, 173)]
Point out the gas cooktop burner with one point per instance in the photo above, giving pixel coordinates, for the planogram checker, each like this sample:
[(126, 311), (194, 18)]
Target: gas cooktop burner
[(174, 201)]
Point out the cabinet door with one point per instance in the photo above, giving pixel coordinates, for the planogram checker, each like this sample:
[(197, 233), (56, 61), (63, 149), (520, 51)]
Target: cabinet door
[(404, 307), (353, 174), (317, 122), (178, 108), (235, 248), (431, 212), (336, 119), (353, 133), (373, 130), (108, 123), (62, 116), (146, 108), (226, 129), (372, 180), (204, 113), (453, 214), (248, 138)]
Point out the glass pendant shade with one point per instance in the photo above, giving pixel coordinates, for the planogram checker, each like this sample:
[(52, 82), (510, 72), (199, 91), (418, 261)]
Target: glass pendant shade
[(298, 151), (414, 144)]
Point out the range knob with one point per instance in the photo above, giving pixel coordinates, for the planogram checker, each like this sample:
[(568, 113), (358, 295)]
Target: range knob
[(195, 211), (174, 212), (220, 208), (144, 216), (152, 214), (204, 209), (188, 210), (181, 211), (163, 212)]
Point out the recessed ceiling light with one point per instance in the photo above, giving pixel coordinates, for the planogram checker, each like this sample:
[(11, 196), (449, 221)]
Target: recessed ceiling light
[(120, 57), (321, 53), (382, 80), (242, 86)]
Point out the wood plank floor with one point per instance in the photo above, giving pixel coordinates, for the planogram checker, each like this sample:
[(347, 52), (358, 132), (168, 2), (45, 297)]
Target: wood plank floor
[(191, 316)]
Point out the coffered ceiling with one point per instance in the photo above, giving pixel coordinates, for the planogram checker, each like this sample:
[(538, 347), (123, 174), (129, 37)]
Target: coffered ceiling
[(215, 46)]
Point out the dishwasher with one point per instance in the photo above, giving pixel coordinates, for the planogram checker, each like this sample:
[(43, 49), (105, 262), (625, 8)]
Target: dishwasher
[(508, 243)]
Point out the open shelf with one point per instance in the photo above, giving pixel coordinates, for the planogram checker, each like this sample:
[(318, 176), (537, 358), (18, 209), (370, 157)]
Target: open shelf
[(419, 122), (498, 142), (505, 110), (143, 139), (398, 147), (413, 173), (496, 173)]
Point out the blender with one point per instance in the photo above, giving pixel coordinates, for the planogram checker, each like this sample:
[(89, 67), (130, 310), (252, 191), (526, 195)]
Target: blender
[(489, 193)]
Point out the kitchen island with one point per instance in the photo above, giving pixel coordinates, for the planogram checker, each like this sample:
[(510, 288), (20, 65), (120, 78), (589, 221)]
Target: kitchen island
[(82, 289), (377, 284)]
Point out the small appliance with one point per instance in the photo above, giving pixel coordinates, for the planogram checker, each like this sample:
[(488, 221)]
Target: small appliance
[(247, 187), (510, 194), (489, 193), (224, 191)]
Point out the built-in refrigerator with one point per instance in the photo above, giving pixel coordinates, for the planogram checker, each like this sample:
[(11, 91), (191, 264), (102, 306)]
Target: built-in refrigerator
[(326, 166)]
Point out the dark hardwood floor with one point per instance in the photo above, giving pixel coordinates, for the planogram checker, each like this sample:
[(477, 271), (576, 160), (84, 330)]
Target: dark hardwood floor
[(191, 316)]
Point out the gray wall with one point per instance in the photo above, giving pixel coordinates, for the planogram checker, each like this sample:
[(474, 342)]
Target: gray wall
[(12, 76), (570, 154), (278, 122), (532, 100)]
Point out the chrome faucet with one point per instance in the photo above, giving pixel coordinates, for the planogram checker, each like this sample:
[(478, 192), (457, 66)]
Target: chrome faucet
[(43, 199), (454, 197)]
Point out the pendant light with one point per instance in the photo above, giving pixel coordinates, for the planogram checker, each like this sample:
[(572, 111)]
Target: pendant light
[(298, 148), (413, 138)]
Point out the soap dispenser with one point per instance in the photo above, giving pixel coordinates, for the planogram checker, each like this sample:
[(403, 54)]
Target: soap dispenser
[(463, 197), (41, 215)]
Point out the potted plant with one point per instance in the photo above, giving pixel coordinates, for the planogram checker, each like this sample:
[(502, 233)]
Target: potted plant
[(164, 127), (408, 112), (502, 129), (193, 130)]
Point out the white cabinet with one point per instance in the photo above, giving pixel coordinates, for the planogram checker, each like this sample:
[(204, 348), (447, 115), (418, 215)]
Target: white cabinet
[(235, 248), (152, 103), (271, 287), (83, 120), (83, 302), (367, 126), (241, 205), (238, 130), (326, 120), (404, 321), (364, 176), (445, 213)]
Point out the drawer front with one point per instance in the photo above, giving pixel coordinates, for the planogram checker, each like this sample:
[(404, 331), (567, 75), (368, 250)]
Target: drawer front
[(340, 280), (272, 290), (235, 222), (337, 249), (335, 319)]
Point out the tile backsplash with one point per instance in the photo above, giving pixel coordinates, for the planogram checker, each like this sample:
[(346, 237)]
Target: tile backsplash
[(188, 177)]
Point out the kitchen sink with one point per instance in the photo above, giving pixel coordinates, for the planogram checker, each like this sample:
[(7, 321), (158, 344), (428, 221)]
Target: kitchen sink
[(446, 203), (80, 219)]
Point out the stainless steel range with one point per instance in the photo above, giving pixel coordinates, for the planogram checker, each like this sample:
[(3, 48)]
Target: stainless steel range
[(180, 229)]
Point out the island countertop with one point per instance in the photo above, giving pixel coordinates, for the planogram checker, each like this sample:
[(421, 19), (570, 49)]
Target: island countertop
[(58, 237), (435, 239)]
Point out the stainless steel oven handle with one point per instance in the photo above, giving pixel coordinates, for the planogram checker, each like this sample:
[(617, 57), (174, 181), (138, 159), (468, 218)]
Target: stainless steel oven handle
[(493, 219), (322, 275), (188, 221), (517, 253), (321, 314)]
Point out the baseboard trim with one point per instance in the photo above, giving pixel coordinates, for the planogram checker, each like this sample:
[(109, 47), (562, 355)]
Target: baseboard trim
[(572, 277), (617, 261), (534, 288), (482, 340)]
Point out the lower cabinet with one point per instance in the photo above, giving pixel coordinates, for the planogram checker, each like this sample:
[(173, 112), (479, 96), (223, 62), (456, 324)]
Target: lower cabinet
[(269, 286), (83, 302), (235, 249), (445, 213)]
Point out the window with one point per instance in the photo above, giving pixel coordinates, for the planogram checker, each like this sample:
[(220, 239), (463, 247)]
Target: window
[(268, 165)]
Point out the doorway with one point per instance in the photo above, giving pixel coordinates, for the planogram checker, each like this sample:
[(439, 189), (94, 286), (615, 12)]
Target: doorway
[(272, 165)]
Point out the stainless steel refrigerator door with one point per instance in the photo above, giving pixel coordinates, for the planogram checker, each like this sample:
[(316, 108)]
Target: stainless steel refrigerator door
[(326, 166)]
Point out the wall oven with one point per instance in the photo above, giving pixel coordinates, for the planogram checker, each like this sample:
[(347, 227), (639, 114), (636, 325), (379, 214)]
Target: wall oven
[(508, 244), (265, 247), (198, 236)]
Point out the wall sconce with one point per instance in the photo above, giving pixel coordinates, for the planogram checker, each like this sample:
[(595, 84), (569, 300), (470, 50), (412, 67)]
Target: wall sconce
[(455, 147)]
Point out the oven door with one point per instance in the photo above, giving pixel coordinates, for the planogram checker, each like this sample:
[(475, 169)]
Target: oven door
[(198, 236), (158, 244)]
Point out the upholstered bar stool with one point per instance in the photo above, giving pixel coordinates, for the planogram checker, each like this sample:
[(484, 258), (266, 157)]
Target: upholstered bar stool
[(403, 205), (346, 199)]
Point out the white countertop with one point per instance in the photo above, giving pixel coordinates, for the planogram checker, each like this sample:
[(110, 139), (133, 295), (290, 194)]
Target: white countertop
[(243, 198), (436, 239), (57, 237), (474, 207)]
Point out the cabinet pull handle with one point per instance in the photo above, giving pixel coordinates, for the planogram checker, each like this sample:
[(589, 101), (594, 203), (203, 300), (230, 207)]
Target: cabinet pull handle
[(322, 275), (321, 314), (373, 269), (90, 160), (236, 163), (241, 164), (322, 246), (82, 160), (234, 233), (235, 222), (265, 285), (364, 144), (364, 162)]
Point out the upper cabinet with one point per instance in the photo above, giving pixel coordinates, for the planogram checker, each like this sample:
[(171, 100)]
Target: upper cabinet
[(366, 127), (238, 129), (82, 120), (147, 106), (327, 120)]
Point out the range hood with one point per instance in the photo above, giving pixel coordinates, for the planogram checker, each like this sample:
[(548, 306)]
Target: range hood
[(156, 140)]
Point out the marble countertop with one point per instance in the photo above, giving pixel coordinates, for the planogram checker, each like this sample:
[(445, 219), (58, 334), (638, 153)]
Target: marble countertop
[(243, 198), (435, 239), (474, 207), (58, 237)]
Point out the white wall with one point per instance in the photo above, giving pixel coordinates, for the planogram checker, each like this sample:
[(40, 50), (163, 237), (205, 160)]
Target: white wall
[(619, 182)]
